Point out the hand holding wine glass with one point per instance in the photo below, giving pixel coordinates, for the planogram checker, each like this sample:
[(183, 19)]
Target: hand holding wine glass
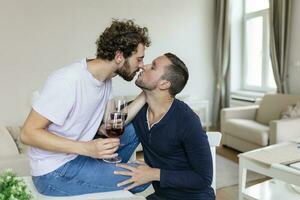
[(114, 127)]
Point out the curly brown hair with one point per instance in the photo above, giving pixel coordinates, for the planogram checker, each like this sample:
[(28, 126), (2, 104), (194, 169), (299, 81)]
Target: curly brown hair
[(121, 36)]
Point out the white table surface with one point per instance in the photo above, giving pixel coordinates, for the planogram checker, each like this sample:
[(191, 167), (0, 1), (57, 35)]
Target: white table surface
[(276, 170)]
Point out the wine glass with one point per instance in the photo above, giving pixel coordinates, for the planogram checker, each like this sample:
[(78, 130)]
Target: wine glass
[(114, 127), (121, 106)]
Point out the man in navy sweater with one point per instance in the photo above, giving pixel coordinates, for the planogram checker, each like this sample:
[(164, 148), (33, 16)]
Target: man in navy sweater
[(176, 150)]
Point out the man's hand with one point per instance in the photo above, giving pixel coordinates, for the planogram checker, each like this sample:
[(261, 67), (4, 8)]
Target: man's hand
[(138, 175), (101, 148)]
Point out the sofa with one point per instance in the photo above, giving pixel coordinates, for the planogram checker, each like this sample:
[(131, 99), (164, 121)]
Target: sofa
[(13, 154), (250, 127)]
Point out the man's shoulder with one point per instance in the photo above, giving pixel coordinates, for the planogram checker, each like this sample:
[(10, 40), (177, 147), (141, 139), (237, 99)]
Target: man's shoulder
[(186, 120), (184, 111), (69, 73)]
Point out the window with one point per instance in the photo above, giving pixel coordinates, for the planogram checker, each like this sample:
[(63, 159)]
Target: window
[(257, 69)]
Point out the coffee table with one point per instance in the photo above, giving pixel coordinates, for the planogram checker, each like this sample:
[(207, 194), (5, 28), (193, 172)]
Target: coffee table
[(277, 188)]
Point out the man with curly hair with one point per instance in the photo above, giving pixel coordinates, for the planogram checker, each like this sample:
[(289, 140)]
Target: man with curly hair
[(65, 159)]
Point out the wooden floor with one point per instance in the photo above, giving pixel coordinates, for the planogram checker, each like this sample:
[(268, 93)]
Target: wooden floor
[(231, 192), (226, 193), (228, 153)]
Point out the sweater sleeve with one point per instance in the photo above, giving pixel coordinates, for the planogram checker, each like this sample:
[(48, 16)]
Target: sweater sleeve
[(197, 149)]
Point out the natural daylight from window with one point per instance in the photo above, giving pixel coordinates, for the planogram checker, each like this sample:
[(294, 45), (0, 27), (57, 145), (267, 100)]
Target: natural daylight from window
[(257, 68)]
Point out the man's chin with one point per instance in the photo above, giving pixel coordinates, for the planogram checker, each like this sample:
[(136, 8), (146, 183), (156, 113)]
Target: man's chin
[(138, 84), (127, 77)]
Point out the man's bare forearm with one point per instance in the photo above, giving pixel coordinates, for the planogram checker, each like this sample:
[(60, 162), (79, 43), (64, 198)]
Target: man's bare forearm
[(135, 106), (46, 140), (99, 148)]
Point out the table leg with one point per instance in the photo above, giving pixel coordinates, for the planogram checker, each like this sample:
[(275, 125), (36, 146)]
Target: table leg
[(242, 178)]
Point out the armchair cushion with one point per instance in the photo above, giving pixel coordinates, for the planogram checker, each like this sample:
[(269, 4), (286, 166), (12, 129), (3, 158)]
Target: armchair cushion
[(272, 106), (243, 112), (284, 130), (7, 144), (18, 163), (248, 130)]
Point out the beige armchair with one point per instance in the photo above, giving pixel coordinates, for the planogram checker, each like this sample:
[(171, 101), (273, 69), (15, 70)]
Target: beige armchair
[(250, 127)]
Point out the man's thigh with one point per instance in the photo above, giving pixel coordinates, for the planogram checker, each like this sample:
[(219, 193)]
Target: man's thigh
[(80, 176)]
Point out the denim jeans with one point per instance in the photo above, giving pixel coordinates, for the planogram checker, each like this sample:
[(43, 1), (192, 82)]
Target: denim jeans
[(155, 197), (88, 175)]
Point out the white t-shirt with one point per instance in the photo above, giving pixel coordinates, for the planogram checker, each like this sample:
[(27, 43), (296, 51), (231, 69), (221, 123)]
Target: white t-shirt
[(74, 101)]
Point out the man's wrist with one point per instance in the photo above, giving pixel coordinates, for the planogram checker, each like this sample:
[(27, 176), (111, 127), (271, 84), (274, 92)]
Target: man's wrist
[(80, 148), (155, 174)]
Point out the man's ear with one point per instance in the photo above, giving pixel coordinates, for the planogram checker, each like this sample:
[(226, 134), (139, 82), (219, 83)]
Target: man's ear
[(119, 58), (164, 84)]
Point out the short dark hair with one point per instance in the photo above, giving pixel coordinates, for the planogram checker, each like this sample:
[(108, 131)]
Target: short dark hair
[(177, 73), (122, 36)]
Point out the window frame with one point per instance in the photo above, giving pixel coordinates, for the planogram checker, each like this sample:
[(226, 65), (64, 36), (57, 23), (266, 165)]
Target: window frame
[(265, 51)]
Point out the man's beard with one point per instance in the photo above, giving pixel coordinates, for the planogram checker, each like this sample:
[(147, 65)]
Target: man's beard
[(124, 72)]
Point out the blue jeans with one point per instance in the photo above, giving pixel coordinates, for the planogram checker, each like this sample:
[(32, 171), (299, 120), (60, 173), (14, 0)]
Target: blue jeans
[(88, 175)]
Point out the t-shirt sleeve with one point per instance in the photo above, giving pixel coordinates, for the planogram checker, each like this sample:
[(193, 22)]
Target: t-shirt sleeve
[(55, 100)]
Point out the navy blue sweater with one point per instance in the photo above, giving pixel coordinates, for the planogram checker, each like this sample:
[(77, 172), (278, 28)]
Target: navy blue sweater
[(179, 147)]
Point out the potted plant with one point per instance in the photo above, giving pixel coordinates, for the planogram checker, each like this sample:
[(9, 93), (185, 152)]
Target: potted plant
[(13, 187)]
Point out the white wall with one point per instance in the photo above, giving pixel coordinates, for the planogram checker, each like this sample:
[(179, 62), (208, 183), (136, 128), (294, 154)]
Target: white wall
[(38, 37), (294, 60)]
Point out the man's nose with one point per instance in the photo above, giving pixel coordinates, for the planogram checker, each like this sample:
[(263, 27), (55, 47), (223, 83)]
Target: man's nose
[(143, 67), (141, 64)]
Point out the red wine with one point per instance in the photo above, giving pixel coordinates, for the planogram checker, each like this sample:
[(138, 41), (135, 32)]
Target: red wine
[(115, 115), (124, 115), (118, 115), (114, 132)]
